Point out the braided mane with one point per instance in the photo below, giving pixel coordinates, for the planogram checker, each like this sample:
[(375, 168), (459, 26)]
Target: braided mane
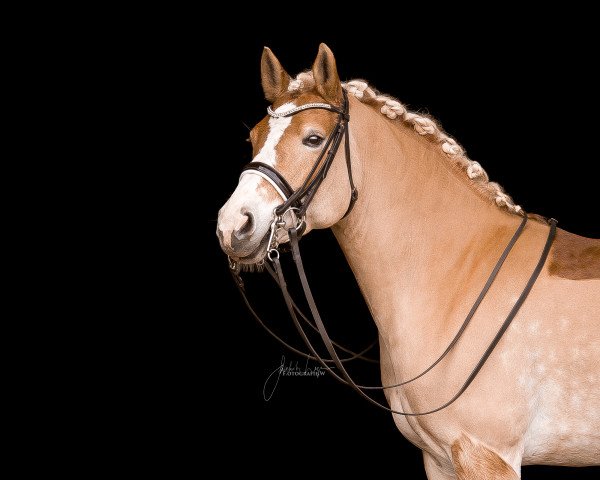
[(425, 126)]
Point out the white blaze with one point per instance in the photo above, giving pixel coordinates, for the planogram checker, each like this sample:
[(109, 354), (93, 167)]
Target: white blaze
[(277, 128), (249, 181), (246, 197)]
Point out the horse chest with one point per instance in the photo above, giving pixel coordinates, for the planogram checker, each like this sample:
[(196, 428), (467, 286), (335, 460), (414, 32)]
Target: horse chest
[(410, 427), (412, 431)]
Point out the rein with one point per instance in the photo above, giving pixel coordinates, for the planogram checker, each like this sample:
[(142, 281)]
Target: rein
[(297, 202)]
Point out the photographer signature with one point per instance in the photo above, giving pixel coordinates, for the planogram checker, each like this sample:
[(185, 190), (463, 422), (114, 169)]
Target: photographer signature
[(291, 370)]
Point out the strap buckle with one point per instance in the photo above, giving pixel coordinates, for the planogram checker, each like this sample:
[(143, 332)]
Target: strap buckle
[(280, 222)]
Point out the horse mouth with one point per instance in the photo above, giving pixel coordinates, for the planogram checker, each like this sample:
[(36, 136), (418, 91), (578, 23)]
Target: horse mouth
[(258, 254)]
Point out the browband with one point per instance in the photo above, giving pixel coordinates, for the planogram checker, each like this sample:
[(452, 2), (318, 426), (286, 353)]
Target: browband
[(307, 106)]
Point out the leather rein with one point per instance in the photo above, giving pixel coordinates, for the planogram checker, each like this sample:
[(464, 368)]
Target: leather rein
[(297, 203)]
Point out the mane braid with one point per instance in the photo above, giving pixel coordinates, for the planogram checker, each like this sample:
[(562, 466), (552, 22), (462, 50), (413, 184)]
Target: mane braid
[(425, 126)]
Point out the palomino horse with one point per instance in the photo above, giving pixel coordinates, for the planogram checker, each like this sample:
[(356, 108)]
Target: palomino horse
[(424, 233)]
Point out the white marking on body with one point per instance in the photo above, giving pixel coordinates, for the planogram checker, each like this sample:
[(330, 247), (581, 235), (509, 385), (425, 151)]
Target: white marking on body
[(564, 324), (534, 354), (557, 400), (533, 327)]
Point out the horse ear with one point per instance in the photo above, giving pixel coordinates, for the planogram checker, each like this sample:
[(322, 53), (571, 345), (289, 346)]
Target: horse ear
[(275, 79), (326, 76)]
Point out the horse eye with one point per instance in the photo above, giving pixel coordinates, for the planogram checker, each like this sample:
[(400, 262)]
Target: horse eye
[(313, 141)]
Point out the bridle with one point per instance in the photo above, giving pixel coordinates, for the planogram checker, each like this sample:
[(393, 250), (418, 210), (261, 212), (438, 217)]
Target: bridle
[(297, 203)]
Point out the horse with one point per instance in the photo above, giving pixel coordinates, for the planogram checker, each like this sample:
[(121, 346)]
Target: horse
[(425, 230)]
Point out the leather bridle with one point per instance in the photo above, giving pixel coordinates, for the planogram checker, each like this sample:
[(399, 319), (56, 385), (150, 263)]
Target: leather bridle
[(297, 202)]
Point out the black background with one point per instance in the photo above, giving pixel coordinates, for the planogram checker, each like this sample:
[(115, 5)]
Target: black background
[(521, 102)]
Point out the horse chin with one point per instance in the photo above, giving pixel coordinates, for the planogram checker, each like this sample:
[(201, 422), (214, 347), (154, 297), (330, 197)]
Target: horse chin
[(255, 259), (252, 263)]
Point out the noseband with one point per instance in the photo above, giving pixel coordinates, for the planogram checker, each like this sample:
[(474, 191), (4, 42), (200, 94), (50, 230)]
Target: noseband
[(298, 201)]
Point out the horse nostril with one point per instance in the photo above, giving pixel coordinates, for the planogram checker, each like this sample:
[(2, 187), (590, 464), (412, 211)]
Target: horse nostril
[(247, 229)]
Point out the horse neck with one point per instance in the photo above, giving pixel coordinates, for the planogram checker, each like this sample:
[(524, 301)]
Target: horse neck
[(419, 232)]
